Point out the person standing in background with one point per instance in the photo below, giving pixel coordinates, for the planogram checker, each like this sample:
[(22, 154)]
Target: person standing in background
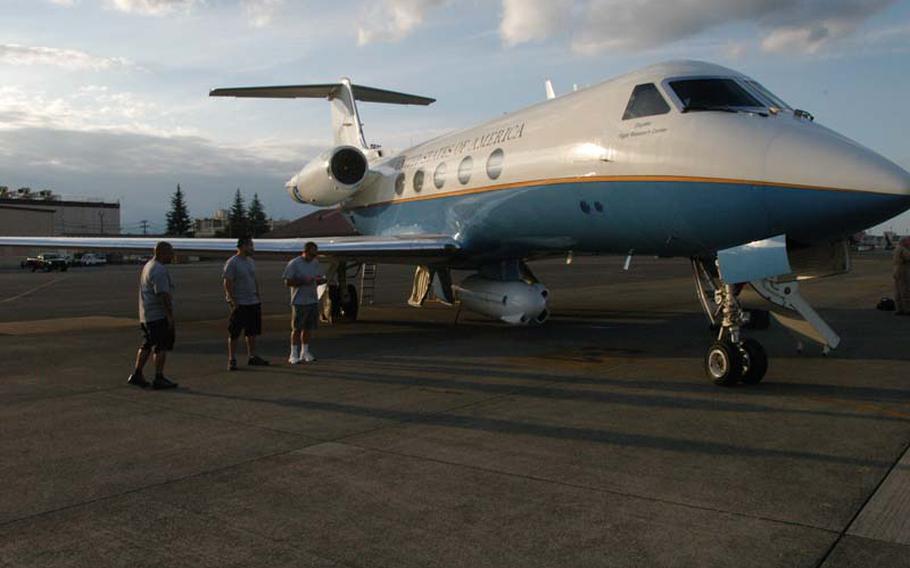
[(156, 317), (241, 290), (302, 275), (902, 277)]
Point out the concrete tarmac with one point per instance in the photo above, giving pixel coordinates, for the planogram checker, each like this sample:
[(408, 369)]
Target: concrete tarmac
[(594, 440)]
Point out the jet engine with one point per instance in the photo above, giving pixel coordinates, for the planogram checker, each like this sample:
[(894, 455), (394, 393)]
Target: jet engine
[(514, 302), (331, 178)]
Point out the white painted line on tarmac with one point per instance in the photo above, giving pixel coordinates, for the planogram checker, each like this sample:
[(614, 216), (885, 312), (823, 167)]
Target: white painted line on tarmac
[(33, 290)]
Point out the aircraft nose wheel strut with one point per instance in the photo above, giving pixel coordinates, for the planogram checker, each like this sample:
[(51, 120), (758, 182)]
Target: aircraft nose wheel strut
[(731, 358)]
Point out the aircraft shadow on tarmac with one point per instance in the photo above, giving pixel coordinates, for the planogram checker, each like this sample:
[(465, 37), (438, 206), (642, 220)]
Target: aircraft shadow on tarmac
[(601, 436)]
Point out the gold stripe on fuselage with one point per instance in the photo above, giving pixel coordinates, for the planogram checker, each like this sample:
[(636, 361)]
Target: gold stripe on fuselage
[(589, 179)]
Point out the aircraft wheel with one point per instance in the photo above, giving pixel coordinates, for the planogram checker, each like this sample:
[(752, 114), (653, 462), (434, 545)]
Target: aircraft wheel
[(756, 362), (724, 363)]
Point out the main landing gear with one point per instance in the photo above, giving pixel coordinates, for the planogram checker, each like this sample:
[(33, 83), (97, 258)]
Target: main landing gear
[(342, 302), (731, 358)]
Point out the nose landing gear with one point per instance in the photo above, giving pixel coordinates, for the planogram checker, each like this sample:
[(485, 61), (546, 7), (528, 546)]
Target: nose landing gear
[(731, 358)]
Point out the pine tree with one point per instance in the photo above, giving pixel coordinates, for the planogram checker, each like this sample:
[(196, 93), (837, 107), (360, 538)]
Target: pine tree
[(178, 218), (238, 223), (259, 223)]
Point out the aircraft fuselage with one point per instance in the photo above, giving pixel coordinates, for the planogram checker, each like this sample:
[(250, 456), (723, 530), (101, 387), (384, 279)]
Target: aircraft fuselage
[(579, 173)]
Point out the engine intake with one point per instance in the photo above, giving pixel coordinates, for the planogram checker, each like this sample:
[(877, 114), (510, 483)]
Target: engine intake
[(348, 166), (331, 178)]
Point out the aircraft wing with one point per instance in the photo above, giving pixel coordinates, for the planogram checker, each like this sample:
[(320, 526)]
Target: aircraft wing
[(407, 249)]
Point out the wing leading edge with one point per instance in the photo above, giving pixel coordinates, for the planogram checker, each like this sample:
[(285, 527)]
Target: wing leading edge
[(394, 249)]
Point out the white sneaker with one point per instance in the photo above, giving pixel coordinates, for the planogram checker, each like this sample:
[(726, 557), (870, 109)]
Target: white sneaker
[(307, 357), (294, 360)]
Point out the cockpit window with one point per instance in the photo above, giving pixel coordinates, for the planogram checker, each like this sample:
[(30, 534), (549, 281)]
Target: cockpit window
[(773, 100), (713, 94), (646, 100)]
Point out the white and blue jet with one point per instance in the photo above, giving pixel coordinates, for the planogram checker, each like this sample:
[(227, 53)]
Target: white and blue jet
[(678, 159)]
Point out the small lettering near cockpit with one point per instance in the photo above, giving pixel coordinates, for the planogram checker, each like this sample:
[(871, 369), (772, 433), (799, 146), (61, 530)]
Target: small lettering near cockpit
[(639, 133)]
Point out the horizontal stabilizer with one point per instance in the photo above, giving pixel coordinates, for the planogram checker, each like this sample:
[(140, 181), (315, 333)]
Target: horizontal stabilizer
[(326, 91)]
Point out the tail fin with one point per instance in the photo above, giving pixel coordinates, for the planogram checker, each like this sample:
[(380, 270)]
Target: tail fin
[(346, 125)]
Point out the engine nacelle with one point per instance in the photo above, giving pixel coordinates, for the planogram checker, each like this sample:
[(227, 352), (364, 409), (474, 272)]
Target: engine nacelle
[(513, 302), (331, 178)]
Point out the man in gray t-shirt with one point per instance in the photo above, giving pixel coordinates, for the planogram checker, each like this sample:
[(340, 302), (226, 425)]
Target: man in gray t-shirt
[(302, 275), (156, 317), (241, 290)]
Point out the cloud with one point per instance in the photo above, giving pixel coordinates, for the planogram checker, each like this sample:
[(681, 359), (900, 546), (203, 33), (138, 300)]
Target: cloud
[(97, 111), (152, 7), (15, 54), (261, 12), (392, 20), (597, 26), (524, 20)]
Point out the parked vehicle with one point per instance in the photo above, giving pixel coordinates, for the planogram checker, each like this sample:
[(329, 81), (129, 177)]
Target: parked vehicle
[(46, 261), (92, 259)]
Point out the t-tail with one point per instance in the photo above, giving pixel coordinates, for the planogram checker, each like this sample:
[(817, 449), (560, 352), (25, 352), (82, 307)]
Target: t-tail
[(336, 175), (347, 128)]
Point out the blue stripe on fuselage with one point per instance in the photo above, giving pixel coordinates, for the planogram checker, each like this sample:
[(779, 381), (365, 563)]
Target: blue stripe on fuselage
[(674, 218)]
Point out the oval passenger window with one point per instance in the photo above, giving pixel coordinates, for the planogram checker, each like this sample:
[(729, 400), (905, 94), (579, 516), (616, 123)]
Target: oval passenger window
[(464, 170), (439, 176), (494, 163)]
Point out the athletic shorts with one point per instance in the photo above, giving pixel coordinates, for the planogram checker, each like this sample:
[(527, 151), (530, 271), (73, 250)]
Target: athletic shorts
[(247, 319), (304, 317), (158, 335)]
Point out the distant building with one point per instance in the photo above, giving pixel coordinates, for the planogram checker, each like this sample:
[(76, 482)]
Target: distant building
[(28, 213), (211, 226)]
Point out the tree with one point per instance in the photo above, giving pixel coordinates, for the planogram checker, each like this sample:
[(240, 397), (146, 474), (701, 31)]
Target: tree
[(178, 218), (258, 222), (238, 223)]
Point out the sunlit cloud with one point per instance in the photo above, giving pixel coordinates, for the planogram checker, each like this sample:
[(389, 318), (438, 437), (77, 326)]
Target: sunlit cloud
[(392, 20), (153, 7), (15, 54), (524, 21)]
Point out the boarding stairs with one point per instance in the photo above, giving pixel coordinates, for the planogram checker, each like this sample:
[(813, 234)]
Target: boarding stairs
[(367, 284)]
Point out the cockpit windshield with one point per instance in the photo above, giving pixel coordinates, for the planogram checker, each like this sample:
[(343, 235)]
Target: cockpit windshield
[(714, 94), (772, 99)]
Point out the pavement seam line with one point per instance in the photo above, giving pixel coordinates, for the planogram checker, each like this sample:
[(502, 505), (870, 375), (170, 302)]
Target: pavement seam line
[(592, 488), (862, 507), (545, 480), (152, 486)]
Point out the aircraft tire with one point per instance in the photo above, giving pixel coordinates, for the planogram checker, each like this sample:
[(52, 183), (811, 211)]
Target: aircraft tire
[(724, 363), (756, 364)]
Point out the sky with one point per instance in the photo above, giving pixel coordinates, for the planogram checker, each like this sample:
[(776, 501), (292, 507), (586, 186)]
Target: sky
[(109, 98)]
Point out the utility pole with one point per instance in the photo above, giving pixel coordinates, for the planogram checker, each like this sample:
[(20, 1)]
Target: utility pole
[(145, 226)]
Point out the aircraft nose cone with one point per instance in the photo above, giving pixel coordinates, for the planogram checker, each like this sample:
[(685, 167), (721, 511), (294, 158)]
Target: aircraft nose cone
[(847, 187), (821, 158)]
